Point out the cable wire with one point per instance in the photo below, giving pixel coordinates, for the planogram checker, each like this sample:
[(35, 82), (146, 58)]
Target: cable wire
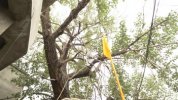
[(147, 50)]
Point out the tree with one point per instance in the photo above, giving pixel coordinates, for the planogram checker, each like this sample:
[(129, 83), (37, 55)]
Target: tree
[(73, 49)]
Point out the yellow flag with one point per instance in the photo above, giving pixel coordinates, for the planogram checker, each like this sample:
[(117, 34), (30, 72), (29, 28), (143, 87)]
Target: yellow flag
[(107, 53), (106, 50)]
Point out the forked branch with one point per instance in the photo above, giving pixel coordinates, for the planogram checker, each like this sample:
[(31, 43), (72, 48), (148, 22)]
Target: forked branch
[(73, 15)]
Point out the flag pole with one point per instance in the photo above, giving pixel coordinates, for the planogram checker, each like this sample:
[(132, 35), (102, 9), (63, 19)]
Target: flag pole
[(117, 80)]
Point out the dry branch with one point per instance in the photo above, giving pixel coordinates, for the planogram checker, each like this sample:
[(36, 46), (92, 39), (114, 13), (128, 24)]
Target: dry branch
[(73, 15)]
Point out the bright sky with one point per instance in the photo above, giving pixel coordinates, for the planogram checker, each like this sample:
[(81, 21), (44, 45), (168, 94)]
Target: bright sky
[(130, 9)]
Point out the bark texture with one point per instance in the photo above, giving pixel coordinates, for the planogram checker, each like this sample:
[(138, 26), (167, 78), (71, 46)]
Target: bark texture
[(57, 71), (57, 65)]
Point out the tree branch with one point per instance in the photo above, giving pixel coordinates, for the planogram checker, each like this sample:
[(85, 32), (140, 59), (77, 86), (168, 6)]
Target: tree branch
[(45, 94), (138, 38), (59, 49), (70, 59), (85, 72), (87, 26), (81, 73), (66, 48), (73, 15), (69, 43), (46, 23), (47, 3), (69, 33), (78, 32)]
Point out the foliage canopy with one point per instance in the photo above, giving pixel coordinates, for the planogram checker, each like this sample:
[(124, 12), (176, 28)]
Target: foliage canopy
[(161, 77)]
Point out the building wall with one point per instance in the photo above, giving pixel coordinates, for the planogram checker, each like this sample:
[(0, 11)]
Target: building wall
[(6, 86)]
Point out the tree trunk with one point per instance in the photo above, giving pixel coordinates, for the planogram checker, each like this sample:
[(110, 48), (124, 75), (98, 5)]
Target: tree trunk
[(57, 70), (56, 67)]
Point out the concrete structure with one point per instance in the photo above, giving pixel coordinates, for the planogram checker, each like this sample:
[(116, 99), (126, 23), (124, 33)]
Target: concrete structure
[(6, 86), (19, 21), (19, 24)]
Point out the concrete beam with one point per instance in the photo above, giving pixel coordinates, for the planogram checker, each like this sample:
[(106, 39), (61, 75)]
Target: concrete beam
[(22, 31), (5, 20), (17, 35)]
